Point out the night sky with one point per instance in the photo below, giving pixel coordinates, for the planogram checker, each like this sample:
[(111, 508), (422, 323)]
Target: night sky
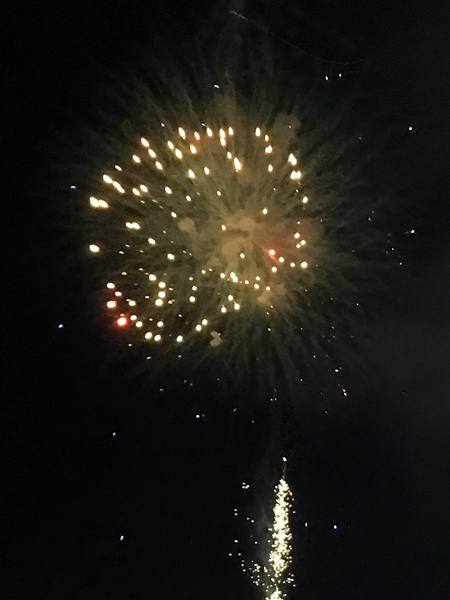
[(115, 490)]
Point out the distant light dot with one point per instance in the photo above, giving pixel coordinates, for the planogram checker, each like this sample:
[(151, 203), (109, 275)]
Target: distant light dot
[(94, 248), (60, 326), (121, 321), (303, 265), (171, 257)]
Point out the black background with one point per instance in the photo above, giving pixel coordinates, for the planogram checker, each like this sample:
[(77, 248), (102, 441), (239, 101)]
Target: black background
[(376, 463)]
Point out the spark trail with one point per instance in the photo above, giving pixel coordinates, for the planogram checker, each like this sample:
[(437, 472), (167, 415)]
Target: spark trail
[(274, 576)]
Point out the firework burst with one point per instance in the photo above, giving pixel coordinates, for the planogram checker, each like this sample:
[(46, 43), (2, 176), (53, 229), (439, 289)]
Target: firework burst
[(232, 230)]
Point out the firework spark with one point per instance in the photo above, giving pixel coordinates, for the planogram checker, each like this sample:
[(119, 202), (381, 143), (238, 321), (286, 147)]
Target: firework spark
[(275, 576)]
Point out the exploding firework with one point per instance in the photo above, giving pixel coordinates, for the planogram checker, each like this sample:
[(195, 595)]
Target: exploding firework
[(232, 230)]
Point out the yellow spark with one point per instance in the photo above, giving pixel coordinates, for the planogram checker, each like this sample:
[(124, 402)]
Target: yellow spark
[(275, 576), (280, 554)]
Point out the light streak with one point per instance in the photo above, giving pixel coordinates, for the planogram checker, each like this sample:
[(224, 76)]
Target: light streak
[(274, 576)]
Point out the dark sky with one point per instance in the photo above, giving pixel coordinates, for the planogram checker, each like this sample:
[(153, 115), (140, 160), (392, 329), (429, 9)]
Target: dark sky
[(89, 456)]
